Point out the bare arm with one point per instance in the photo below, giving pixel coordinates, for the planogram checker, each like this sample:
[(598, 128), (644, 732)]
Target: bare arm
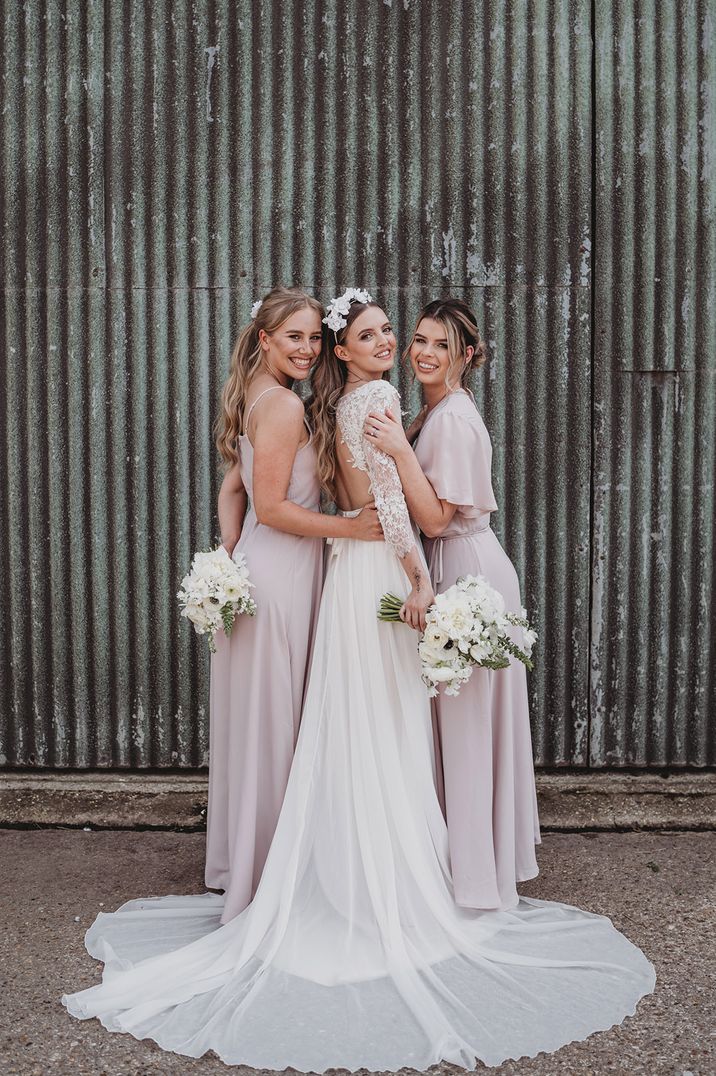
[(278, 433), (421, 595), (232, 507), (430, 513)]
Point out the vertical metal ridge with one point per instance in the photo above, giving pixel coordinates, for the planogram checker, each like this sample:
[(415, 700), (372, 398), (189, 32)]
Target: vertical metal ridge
[(167, 163), (594, 253), (654, 389)]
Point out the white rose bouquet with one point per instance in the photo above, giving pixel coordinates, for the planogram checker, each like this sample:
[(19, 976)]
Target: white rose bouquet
[(215, 591), (466, 626)]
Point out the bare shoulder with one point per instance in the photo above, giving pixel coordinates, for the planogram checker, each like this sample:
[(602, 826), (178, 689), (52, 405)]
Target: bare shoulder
[(282, 405), (277, 418)]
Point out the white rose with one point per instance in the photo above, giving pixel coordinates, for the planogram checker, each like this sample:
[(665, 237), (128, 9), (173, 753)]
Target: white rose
[(203, 558), (199, 588), (441, 675), (455, 622), (435, 637), (198, 617), (431, 655)]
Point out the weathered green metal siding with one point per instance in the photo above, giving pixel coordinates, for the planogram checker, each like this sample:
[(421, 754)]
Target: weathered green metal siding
[(653, 688), (165, 163)]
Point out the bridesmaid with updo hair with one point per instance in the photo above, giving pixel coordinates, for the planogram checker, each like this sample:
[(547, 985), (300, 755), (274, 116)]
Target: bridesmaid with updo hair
[(483, 734)]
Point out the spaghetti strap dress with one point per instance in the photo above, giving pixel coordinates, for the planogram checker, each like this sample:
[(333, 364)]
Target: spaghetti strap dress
[(258, 678)]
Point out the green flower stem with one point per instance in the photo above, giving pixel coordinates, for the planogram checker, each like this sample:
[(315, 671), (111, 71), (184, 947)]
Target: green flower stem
[(389, 609)]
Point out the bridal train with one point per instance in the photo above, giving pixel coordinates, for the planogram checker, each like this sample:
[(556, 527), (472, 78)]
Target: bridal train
[(353, 953)]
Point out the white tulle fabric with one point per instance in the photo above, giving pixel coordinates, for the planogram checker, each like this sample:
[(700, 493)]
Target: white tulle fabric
[(353, 953), (385, 484)]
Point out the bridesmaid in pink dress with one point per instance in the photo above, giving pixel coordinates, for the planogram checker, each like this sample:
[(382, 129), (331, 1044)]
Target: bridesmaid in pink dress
[(258, 673), (483, 733)]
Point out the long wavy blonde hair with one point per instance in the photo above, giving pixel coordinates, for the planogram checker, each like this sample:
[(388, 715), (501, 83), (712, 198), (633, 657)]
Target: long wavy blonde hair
[(276, 307), (327, 384), (461, 332)]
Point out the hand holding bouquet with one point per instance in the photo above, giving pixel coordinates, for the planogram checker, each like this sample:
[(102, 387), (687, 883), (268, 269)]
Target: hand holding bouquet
[(467, 626), (215, 591)]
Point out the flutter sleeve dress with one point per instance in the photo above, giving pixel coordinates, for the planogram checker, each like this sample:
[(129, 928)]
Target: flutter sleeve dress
[(484, 736)]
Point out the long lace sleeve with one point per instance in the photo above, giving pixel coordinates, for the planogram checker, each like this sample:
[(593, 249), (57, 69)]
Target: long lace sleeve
[(380, 468)]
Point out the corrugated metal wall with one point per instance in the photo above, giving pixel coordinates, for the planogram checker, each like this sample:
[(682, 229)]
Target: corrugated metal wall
[(653, 688), (165, 163)]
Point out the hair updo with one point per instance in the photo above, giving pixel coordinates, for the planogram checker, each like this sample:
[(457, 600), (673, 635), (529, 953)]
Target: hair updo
[(461, 331)]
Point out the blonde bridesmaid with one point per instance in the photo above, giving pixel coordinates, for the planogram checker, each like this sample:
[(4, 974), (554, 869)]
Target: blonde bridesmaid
[(484, 732), (258, 673)]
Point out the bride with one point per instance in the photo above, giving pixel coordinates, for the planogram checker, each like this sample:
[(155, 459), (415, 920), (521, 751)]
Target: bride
[(353, 953)]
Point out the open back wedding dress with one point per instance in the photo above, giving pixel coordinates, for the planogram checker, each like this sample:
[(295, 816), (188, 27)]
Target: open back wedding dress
[(353, 953)]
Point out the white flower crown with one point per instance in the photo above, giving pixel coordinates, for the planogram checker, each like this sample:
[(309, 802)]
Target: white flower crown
[(255, 309), (337, 315)]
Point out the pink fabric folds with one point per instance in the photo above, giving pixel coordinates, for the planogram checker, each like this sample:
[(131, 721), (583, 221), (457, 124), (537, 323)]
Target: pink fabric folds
[(484, 735), (456, 455), (258, 678)]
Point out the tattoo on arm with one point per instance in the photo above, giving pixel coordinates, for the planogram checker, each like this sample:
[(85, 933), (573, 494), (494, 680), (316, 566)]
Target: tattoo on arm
[(417, 579)]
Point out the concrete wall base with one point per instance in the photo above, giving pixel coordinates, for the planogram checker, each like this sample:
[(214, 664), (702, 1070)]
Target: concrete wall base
[(567, 802)]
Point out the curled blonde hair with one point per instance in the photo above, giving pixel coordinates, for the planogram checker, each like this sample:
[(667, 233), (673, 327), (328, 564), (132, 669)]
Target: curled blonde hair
[(461, 332), (276, 307), (327, 384)]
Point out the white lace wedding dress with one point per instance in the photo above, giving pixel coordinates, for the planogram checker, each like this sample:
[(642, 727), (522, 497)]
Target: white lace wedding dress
[(353, 953)]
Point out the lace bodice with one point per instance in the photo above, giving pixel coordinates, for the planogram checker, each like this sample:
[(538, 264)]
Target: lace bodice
[(380, 468)]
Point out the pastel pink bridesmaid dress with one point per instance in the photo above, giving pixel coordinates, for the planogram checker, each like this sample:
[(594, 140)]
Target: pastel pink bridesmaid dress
[(484, 732), (258, 676)]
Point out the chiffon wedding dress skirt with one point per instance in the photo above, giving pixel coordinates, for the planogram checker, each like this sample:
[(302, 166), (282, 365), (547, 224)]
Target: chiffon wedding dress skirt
[(353, 953)]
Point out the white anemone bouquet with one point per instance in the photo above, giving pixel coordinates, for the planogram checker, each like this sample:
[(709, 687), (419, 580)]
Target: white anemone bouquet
[(466, 626), (215, 591)]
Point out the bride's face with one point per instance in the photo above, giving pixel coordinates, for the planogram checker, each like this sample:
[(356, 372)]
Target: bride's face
[(292, 348), (369, 346)]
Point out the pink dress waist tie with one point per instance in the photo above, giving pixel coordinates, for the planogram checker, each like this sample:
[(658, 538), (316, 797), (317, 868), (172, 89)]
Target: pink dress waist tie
[(435, 564)]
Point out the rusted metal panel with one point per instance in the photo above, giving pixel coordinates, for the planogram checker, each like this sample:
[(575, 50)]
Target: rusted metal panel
[(166, 163), (53, 141), (536, 394), (409, 143), (653, 690)]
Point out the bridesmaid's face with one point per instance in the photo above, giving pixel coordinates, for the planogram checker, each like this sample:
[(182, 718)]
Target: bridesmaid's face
[(295, 345), (429, 354), (369, 346)]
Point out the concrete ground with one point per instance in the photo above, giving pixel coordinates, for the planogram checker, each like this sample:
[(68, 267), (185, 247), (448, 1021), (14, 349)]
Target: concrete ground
[(659, 888)]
